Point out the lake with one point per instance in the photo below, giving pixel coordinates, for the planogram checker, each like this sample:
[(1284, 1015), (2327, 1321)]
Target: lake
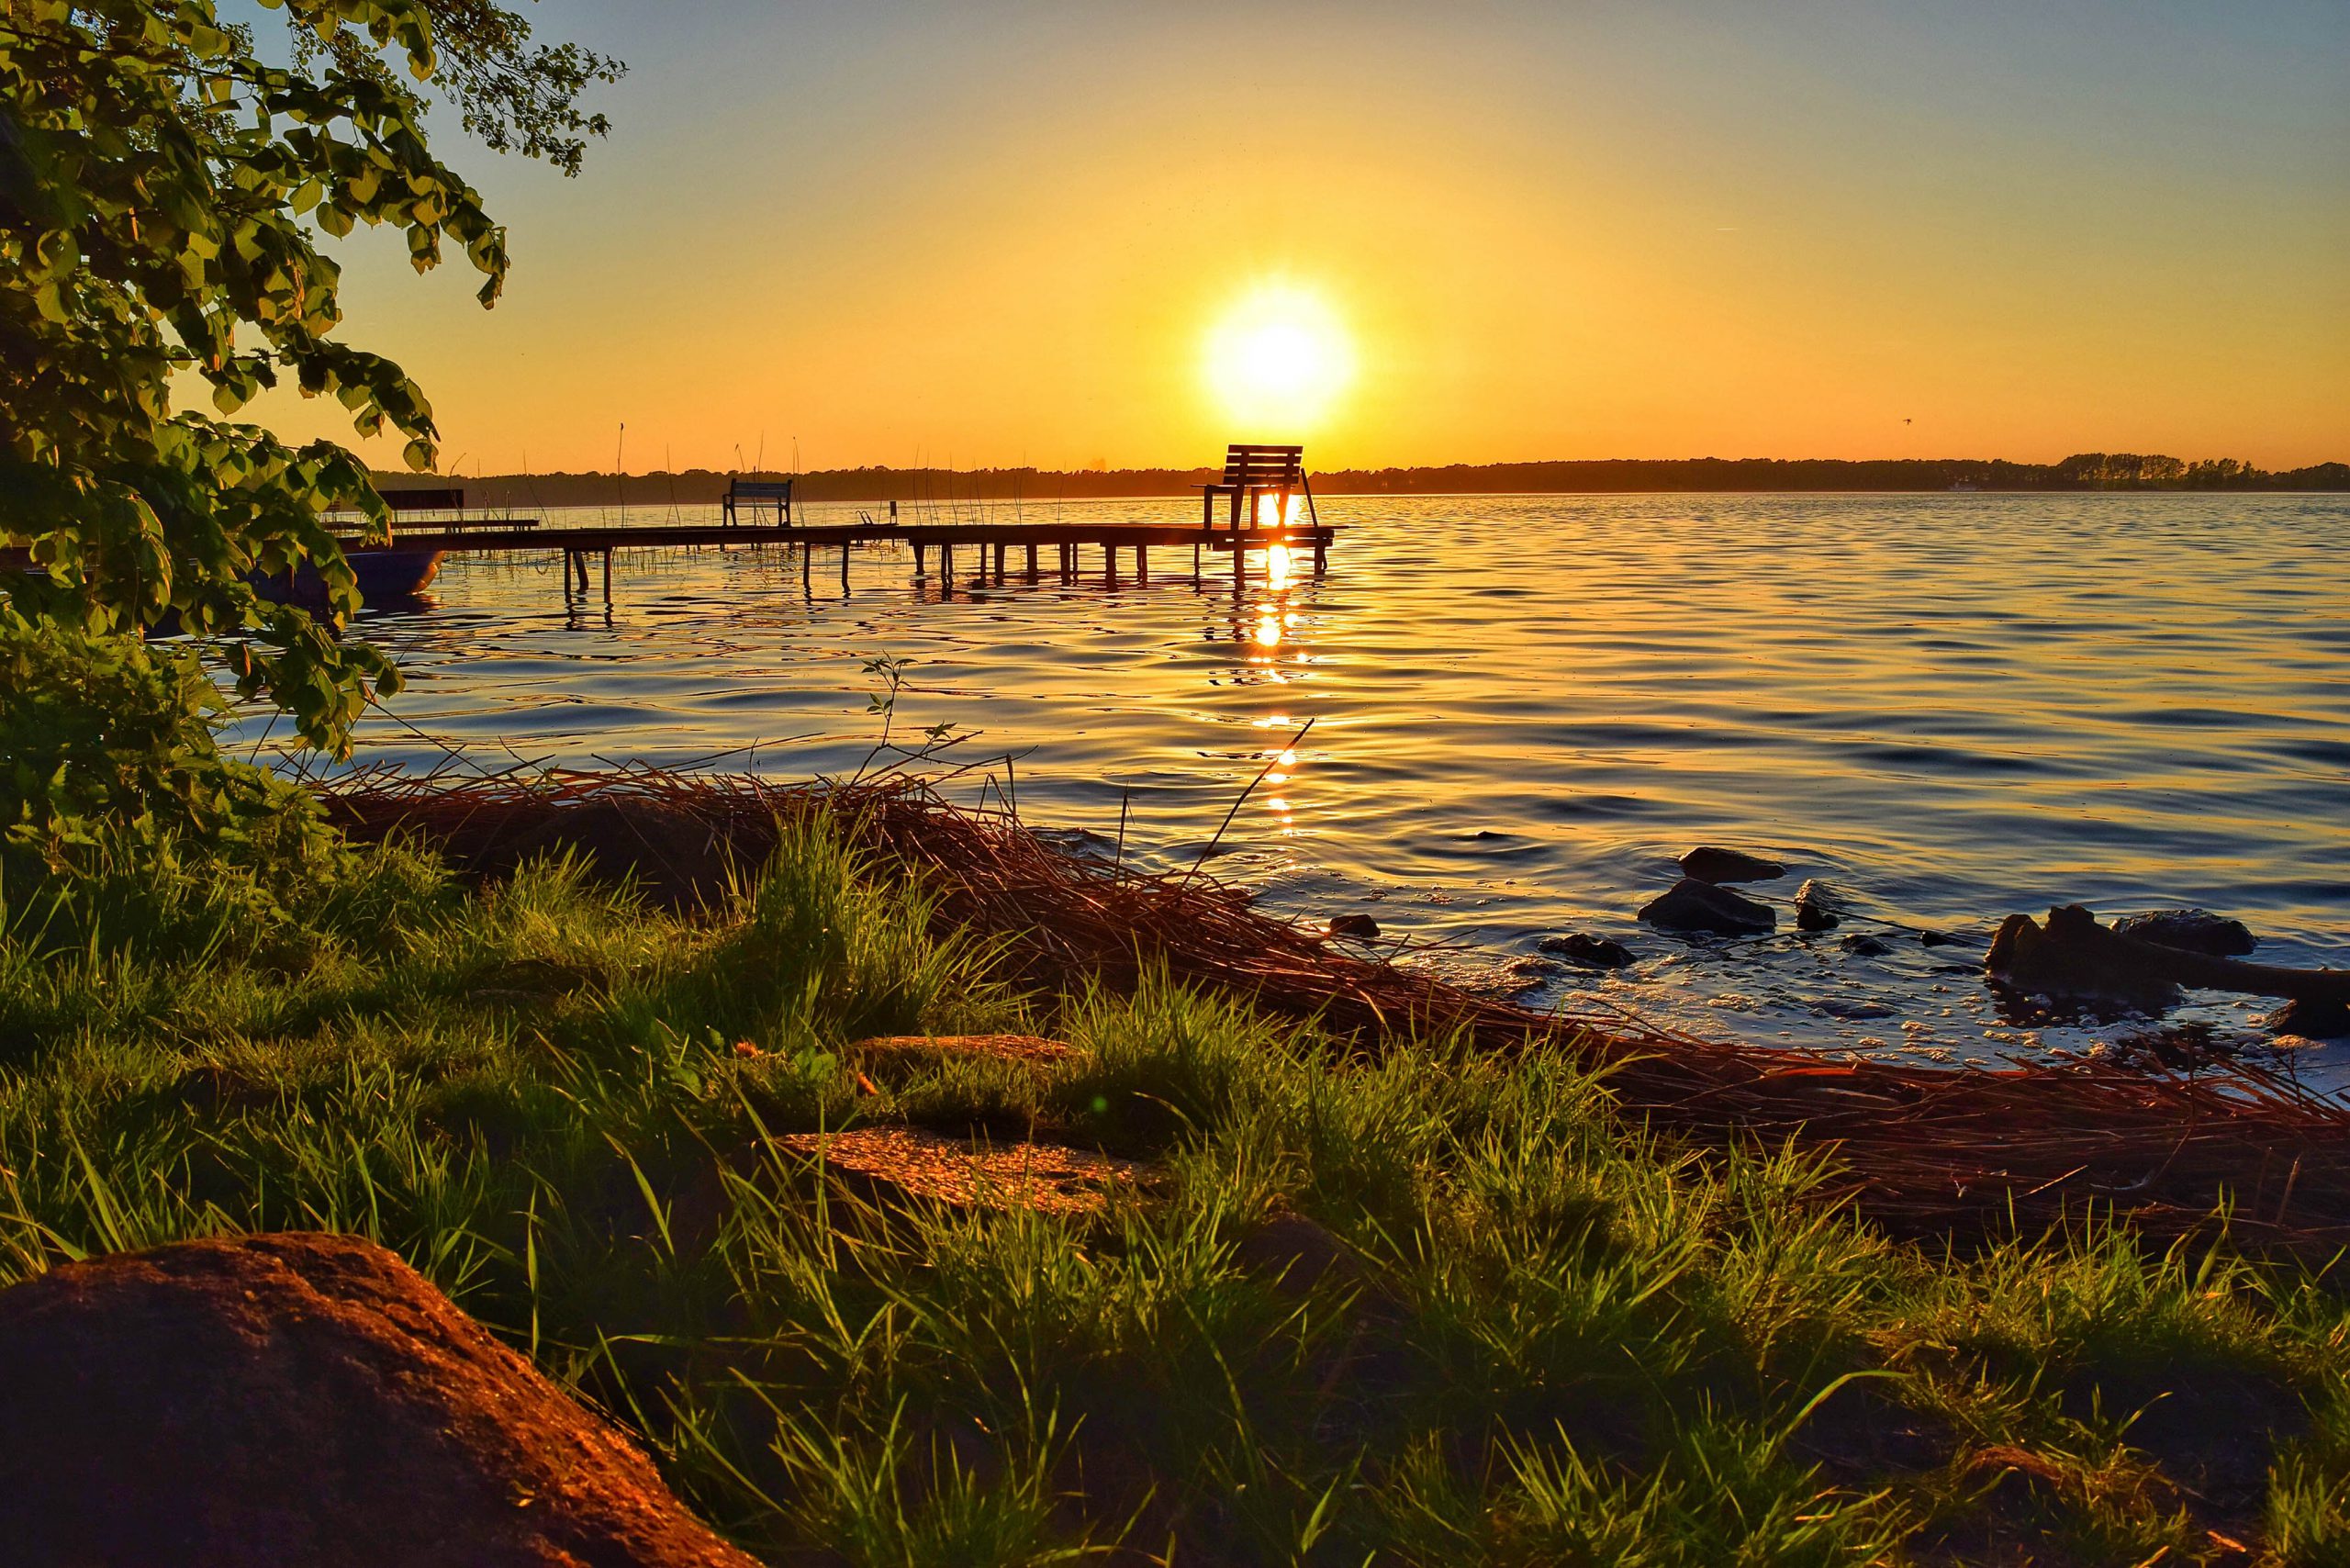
[(1949, 707)]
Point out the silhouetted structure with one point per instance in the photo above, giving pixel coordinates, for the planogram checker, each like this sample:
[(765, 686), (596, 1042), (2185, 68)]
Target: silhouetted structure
[(755, 494), (1252, 473)]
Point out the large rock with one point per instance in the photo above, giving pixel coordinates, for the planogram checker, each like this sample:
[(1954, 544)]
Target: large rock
[(2190, 930), (1710, 863), (2073, 956), (1692, 905), (280, 1401)]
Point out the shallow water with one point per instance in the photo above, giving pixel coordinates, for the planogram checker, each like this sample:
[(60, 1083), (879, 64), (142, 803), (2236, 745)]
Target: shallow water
[(1950, 707)]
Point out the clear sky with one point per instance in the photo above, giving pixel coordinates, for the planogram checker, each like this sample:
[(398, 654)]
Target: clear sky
[(1069, 233)]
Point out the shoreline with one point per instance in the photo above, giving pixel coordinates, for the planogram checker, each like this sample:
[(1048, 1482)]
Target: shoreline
[(1933, 1150)]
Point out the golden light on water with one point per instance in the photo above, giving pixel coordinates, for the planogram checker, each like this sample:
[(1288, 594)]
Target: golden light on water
[(1277, 361)]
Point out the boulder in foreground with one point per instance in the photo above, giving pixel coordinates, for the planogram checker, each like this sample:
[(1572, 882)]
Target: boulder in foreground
[(1692, 905), (286, 1400)]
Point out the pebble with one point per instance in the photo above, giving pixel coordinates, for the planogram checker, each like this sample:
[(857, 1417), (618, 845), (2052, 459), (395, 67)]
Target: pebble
[(1591, 952)]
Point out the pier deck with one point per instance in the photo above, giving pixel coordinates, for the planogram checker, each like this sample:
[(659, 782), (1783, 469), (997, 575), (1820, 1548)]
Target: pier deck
[(1030, 539)]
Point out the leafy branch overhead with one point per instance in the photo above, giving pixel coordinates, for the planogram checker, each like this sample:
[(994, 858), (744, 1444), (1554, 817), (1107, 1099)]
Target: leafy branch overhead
[(163, 188), (516, 95)]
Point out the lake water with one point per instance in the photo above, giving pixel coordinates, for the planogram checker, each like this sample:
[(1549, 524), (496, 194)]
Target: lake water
[(1949, 707)]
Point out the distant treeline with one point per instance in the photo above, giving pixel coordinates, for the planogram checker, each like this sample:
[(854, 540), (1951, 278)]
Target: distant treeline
[(940, 487)]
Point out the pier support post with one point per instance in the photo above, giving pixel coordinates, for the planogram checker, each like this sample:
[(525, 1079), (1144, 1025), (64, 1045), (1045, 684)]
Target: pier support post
[(917, 562), (999, 564), (1142, 566), (1032, 561), (1321, 553), (807, 569), (1239, 564), (843, 567), (1195, 561), (1110, 563)]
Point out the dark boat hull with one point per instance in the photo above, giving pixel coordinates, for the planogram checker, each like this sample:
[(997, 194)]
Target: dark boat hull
[(386, 573)]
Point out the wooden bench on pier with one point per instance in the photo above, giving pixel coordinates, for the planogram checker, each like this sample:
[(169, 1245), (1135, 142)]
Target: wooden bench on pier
[(1252, 472), (755, 494)]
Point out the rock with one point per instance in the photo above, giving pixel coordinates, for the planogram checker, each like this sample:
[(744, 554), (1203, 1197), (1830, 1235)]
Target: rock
[(2313, 1020), (1047, 1178), (1693, 906), (1710, 863), (1360, 925), (1940, 939), (1591, 952), (2190, 930), (258, 1401), (2073, 956), (1868, 947), (1817, 907)]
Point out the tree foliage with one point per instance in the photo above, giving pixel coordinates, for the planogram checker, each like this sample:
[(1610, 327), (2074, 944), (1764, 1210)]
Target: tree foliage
[(161, 189), (516, 94)]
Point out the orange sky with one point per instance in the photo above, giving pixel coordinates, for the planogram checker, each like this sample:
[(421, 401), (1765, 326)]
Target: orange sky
[(1005, 233)]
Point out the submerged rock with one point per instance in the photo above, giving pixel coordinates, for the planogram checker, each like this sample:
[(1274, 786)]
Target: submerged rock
[(1591, 952), (256, 1401), (1868, 947), (2313, 1020), (1358, 925), (2190, 930), (1710, 863), (1693, 906), (1817, 907)]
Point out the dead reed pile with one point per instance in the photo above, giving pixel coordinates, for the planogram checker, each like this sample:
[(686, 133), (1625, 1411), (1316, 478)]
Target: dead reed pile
[(1927, 1151)]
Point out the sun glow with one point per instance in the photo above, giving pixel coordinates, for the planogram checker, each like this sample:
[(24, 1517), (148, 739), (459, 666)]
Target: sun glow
[(1278, 361)]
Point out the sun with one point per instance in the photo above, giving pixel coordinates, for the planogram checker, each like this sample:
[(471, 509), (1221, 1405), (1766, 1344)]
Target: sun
[(1278, 359)]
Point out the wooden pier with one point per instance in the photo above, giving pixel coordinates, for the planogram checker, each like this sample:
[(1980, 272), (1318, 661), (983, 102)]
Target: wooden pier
[(1031, 552)]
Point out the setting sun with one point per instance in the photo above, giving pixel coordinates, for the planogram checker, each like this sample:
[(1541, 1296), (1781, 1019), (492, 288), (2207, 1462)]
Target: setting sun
[(1279, 359)]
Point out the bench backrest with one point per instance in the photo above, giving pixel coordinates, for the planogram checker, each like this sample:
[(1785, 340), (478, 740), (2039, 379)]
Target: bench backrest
[(424, 501), (1246, 464), (759, 490)]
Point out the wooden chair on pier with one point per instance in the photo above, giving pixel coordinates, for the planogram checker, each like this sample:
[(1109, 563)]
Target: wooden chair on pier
[(1251, 473), (755, 494)]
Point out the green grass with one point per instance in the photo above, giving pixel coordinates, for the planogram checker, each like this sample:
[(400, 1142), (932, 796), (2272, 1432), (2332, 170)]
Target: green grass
[(1508, 1327)]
